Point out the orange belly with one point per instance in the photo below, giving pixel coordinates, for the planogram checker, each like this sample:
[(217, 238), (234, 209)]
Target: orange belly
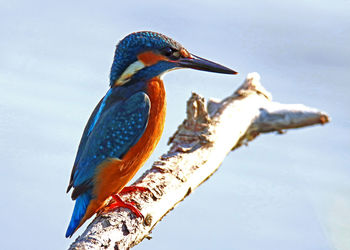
[(113, 175)]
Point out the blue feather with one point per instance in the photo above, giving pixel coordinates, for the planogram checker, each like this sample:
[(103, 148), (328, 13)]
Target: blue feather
[(80, 207), (119, 127), (97, 116)]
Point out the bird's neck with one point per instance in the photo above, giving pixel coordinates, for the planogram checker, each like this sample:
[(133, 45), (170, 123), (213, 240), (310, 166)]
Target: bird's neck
[(156, 92)]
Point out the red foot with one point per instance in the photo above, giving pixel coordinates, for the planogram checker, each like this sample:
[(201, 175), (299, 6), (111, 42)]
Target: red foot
[(120, 203), (131, 189)]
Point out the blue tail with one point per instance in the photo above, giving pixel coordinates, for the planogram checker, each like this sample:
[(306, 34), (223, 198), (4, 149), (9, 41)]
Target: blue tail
[(80, 207)]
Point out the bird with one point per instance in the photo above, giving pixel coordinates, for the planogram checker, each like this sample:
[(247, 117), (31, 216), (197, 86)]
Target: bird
[(127, 123)]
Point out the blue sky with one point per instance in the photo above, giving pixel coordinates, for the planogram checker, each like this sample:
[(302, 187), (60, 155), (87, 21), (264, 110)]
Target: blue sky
[(280, 192)]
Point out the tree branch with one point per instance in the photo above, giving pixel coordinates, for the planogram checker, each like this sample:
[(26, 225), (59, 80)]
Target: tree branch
[(198, 147)]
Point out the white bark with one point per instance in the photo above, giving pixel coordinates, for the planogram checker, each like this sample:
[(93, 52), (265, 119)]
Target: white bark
[(198, 147)]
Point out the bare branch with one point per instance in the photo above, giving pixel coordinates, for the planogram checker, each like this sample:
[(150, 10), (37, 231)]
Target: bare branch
[(198, 147)]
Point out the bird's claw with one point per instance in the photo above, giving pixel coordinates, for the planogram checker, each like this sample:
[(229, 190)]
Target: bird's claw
[(118, 202), (131, 189)]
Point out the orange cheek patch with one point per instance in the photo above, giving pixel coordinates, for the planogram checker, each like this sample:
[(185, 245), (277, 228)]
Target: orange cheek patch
[(149, 58), (184, 53)]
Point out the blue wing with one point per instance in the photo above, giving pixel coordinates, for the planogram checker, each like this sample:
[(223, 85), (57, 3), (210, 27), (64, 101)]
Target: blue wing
[(110, 133), (91, 123)]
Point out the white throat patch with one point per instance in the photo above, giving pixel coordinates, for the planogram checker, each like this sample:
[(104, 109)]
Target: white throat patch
[(129, 72)]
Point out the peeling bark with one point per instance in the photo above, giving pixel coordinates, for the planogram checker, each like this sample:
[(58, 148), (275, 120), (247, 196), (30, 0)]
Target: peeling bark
[(198, 147)]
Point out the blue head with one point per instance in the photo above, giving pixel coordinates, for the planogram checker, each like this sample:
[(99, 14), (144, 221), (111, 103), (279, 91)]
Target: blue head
[(144, 55)]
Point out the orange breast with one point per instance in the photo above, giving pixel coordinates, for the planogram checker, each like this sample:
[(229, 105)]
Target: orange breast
[(112, 176)]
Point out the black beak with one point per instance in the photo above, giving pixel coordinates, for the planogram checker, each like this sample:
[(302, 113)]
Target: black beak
[(196, 62)]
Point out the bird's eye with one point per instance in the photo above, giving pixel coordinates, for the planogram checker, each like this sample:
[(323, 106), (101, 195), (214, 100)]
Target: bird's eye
[(167, 51), (171, 53)]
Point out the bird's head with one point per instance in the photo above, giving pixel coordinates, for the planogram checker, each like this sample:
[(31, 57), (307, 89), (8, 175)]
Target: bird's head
[(144, 55)]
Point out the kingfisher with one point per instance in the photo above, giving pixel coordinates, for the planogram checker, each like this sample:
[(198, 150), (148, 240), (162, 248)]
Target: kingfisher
[(127, 123)]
